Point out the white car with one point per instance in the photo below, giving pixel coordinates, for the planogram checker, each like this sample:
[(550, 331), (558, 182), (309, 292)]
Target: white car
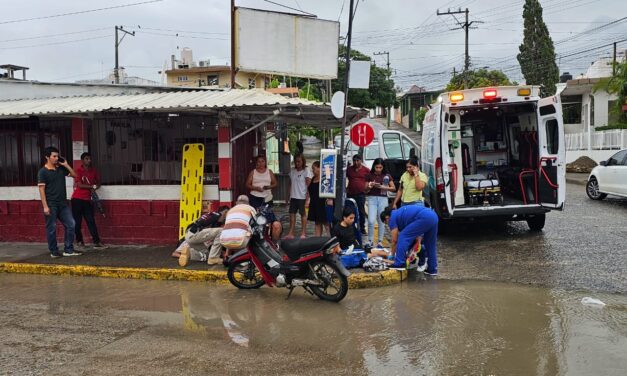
[(609, 177)]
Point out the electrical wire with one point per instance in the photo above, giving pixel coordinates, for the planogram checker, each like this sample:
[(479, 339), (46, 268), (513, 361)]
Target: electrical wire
[(78, 12)]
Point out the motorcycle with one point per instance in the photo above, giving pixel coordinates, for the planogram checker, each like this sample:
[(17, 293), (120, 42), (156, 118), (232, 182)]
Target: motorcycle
[(311, 263)]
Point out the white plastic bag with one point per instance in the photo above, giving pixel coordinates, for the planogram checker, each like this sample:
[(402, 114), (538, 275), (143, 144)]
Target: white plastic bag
[(592, 301)]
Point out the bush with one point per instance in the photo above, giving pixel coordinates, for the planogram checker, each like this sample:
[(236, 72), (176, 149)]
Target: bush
[(611, 126)]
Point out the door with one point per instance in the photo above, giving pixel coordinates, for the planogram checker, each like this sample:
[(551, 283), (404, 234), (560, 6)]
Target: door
[(552, 168), (446, 159), (613, 177), (390, 145)]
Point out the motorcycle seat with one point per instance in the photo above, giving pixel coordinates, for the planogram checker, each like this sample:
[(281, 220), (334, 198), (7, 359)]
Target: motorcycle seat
[(295, 248)]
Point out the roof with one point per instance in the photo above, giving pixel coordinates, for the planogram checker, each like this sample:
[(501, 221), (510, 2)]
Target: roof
[(252, 101), (13, 67), (211, 68)]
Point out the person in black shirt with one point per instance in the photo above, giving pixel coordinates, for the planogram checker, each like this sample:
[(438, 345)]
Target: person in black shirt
[(201, 234), (344, 230), (51, 184)]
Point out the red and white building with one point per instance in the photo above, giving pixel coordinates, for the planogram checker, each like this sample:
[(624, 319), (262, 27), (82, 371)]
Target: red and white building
[(136, 142)]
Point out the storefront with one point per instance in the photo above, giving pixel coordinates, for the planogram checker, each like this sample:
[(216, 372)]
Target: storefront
[(136, 142)]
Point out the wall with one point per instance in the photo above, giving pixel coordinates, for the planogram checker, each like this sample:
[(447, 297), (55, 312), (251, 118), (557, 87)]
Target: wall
[(10, 90), (224, 78), (143, 214)]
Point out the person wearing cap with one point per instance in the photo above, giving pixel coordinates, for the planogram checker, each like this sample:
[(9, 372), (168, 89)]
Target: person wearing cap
[(236, 231), (357, 175)]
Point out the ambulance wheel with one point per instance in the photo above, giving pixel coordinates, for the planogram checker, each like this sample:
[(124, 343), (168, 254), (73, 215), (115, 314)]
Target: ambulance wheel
[(536, 223)]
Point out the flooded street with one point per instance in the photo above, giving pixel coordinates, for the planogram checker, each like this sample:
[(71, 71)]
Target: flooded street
[(69, 325)]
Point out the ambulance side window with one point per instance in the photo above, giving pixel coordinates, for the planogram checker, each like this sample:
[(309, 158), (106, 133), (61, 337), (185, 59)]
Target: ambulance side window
[(552, 136)]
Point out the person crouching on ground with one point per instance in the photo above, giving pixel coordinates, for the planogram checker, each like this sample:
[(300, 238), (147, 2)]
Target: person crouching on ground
[(409, 224), (203, 232), (236, 231)]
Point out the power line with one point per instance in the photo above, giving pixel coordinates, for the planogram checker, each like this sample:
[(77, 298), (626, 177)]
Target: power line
[(78, 12), (54, 35), (290, 8), (55, 43)]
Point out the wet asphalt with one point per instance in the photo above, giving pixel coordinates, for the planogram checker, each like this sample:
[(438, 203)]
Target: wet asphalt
[(52, 325), (469, 320), (583, 247)]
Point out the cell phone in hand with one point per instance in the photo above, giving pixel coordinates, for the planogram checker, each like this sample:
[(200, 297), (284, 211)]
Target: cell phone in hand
[(61, 160)]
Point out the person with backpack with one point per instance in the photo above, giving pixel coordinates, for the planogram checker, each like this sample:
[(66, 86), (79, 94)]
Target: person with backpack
[(86, 181), (410, 224), (201, 234)]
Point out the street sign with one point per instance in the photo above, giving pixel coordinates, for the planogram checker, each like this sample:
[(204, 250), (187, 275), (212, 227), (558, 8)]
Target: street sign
[(362, 134)]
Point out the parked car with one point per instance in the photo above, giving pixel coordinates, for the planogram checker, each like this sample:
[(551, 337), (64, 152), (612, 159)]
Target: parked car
[(609, 177)]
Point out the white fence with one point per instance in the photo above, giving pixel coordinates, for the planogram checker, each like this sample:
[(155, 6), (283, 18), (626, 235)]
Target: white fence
[(603, 140)]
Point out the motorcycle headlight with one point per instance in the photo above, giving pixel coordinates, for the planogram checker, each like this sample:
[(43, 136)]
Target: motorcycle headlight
[(261, 220)]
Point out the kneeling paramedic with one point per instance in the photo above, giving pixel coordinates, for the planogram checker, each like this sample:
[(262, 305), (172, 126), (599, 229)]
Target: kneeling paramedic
[(409, 224)]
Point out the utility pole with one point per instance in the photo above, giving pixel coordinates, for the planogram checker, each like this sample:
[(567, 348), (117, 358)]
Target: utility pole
[(232, 44), (341, 177), (614, 62), (387, 55), (466, 26), (116, 72)]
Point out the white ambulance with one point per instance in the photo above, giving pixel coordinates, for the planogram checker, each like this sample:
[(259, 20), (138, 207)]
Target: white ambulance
[(495, 153)]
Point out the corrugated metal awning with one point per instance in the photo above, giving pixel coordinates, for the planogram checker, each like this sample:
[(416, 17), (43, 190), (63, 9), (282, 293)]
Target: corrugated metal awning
[(248, 101)]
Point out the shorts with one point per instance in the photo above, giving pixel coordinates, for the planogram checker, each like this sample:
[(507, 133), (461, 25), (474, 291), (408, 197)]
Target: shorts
[(297, 206)]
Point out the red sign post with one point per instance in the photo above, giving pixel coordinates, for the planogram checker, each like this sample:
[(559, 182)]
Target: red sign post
[(362, 134)]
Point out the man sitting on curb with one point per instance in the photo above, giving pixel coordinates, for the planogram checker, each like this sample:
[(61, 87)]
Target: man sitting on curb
[(204, 232), (408, 224)]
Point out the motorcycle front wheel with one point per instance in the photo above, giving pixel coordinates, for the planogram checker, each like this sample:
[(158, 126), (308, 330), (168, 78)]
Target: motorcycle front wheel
[(334, 285), (245, 275)]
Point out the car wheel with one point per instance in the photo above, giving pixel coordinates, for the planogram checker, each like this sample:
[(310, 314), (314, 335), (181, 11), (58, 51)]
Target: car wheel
[(592, 189), (536, 223)]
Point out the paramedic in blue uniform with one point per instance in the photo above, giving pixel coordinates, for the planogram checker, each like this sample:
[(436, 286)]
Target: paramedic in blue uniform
[(409, 224)]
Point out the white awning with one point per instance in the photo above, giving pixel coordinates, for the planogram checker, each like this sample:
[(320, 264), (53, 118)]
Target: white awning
[(253, 101)]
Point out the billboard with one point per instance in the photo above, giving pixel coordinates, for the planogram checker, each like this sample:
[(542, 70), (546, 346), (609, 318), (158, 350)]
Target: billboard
[(285, 44)]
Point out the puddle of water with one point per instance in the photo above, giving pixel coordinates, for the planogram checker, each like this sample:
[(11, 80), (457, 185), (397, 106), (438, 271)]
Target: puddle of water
[(432, 327)]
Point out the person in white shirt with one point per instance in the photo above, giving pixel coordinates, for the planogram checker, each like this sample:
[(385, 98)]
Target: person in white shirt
[(300, 178), (260, 183)]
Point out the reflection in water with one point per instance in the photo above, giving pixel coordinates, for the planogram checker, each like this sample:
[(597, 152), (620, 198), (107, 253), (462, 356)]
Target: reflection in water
[(430, 327)]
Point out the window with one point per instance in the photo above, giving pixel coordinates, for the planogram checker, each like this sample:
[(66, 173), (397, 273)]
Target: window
[(182, 78), (552, 136), (407, 146), (21, 148), (392, 145), (613, 116), (252, 83), (547, 110), (371, 152), (617, 159), (571, 108), (212, 80)]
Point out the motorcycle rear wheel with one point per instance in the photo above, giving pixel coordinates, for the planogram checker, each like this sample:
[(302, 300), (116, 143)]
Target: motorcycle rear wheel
[(245, 275), (334, 284)]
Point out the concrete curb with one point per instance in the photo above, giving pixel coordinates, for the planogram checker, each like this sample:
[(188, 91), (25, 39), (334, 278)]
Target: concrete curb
[(356, 280)]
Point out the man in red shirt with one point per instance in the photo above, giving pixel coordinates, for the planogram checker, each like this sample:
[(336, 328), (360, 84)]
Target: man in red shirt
[(86, 181), (357, 175)]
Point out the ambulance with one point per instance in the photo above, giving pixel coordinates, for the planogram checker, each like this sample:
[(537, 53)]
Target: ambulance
[(495, 153)]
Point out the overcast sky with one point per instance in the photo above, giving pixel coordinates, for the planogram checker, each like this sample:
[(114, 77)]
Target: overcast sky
[(423, 48)]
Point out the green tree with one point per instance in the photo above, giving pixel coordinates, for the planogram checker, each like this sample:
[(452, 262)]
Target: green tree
[(537, 53), (479, 78), (381, 91), (617, 84)]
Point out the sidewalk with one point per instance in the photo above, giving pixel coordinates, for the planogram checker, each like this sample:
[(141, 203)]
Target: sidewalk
[(139, 262)]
